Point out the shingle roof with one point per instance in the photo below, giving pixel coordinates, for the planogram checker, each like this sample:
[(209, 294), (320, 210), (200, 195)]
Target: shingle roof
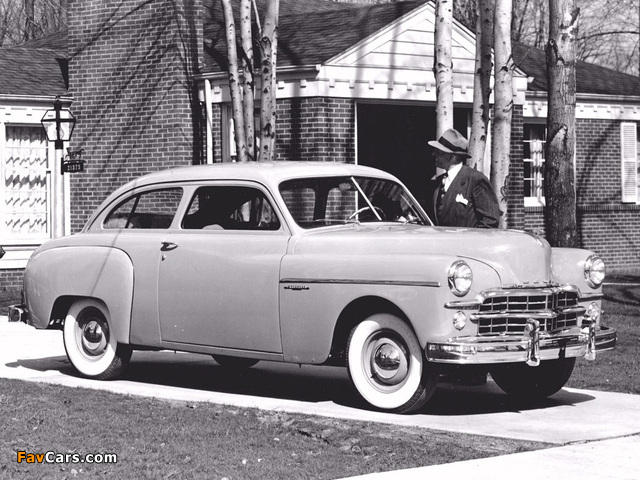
[(57, 41), (310, 31), (313, 31), (32, 72), (590, 78)]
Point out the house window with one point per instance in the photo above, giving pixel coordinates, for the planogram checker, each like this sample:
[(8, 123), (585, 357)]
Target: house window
[(535, 137), (630, 162), (25, 185)]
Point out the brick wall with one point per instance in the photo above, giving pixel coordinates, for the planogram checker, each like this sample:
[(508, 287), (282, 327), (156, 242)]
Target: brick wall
[(605, 225), (515, 199), (10, 287), (130, 70), (321, 129)]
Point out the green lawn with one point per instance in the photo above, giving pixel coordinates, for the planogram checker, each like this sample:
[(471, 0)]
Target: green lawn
[(158, 439), (617, 370)]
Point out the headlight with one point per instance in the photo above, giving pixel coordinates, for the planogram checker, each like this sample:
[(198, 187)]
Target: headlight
[(460, 278), (594, 271)]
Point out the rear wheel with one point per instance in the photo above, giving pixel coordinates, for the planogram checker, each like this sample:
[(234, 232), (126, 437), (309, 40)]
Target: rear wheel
[(521, 381), (90, 343), (237, 363), (386, 365)]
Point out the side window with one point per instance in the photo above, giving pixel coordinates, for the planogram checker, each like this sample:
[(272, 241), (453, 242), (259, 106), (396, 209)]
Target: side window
[(230, 208), (154, 209)]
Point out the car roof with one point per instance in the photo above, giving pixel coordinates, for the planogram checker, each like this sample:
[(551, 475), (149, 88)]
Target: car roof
[(268, 173)]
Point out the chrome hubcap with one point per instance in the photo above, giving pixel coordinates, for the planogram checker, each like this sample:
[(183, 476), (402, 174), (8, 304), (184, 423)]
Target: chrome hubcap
[(93, 338), (389, 362)]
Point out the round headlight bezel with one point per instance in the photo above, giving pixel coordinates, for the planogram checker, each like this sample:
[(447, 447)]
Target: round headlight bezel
[(595, 271), (460, 277)]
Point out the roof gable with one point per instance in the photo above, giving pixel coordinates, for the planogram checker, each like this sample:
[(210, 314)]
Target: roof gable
[(408, 42)]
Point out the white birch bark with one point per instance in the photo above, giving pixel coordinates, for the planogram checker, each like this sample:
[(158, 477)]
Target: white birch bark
[(482, 82), (503, 106), (442, 66), (246, 79), (268, 56), (234, 81)]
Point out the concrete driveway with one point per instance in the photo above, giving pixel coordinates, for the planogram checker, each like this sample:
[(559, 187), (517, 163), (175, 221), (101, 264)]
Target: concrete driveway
[(569, 416)]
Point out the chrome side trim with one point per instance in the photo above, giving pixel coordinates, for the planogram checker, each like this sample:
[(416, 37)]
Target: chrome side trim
[(402, 283), (461, 305), (591, 297)]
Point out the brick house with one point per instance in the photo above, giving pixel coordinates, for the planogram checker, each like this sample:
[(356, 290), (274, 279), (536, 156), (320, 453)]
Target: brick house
[(149, 90)]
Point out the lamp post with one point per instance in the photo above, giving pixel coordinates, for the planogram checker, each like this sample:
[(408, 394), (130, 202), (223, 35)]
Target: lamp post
[(58, 125)]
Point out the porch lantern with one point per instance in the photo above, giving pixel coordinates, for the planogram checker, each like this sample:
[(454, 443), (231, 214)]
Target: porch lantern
[(58, 124)]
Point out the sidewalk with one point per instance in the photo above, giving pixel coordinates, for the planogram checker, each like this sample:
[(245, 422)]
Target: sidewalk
[(615, 459)]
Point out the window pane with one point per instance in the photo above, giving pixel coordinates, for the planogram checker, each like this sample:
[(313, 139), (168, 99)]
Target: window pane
[(24, 190), (230, 208), (534, 150), (154, 209)]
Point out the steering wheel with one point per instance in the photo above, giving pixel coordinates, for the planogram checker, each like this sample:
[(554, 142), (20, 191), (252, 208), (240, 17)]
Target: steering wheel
[(360, 210)]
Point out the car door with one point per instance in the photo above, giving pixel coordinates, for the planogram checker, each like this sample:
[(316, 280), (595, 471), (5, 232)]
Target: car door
[(137, 225), (218, 274)]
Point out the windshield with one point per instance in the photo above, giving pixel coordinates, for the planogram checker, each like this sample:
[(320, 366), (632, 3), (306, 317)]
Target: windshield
[(318, 202)]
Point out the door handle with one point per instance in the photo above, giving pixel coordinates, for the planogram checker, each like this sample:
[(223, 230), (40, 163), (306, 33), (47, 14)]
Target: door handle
[(166, 246)]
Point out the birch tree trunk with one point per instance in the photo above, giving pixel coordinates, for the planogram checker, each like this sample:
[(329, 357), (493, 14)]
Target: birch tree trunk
[(503, 107), (442, 66), (482, 82), (268, 53), (30, 20), (247, 77), (234, 81), (559, 189)]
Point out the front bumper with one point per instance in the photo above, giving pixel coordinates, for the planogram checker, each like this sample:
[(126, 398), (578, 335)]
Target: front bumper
[(532, 347)]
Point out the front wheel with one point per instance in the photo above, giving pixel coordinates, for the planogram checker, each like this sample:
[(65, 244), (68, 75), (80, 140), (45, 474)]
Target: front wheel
[(386, 365), (521, 381), (90, 343)]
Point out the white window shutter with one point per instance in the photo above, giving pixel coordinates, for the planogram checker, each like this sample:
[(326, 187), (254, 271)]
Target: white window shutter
[(629, 162)]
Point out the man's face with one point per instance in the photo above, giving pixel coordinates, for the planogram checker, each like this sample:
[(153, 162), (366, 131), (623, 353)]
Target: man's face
[(444, 160)]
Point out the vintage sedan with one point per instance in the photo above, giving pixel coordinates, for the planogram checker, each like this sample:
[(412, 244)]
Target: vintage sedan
[(315, 263)]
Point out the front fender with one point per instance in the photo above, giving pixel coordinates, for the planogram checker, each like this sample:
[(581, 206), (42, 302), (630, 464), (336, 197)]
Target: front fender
[(102, 273), (315, 289), (567, 267)]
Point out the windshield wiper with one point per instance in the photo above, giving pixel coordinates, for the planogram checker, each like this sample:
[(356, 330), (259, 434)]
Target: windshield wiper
[(371, 207)]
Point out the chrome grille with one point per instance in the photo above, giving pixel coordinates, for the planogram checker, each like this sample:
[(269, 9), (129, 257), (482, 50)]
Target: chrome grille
[(507, 312)]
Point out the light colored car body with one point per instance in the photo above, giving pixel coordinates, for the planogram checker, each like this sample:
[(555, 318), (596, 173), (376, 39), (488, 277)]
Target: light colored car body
[(295, 294)]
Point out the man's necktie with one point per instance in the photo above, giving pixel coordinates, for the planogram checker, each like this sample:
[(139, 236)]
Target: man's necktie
[(441, 193)]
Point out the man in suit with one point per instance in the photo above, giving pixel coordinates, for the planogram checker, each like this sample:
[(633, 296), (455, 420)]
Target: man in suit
[(462, 196)]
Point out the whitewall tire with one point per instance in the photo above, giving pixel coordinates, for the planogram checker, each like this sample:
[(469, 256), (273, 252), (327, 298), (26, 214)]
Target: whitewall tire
[(387, 366), (90, 344)]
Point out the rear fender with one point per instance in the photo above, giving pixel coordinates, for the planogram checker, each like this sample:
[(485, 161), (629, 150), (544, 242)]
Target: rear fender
[(57, 276)]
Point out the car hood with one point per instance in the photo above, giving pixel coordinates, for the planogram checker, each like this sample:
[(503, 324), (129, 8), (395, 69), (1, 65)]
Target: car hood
[(519, 258)]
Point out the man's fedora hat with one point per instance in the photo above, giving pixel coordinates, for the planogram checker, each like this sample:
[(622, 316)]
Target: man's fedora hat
[(452, 141)]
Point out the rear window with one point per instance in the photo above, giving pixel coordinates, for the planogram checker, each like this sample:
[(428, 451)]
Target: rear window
[(154, 209)]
